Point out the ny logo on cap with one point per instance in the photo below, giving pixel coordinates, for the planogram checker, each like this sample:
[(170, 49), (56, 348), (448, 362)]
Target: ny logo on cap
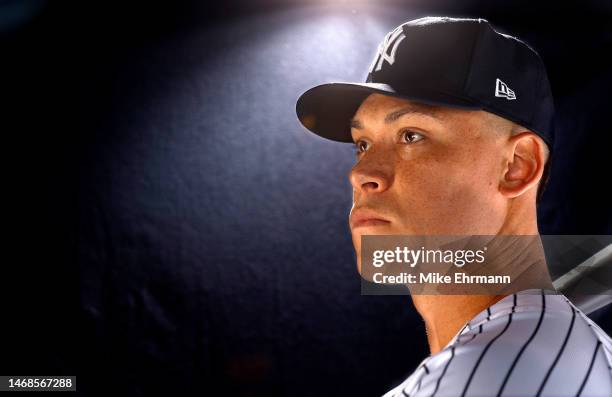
[(392, 39), (503, 91)]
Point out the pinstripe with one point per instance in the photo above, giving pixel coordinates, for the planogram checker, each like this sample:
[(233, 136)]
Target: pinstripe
[(552, 367), (424, 366), (419, 385), (474, 335), (586, 377), (467, 385), (444, 371), (471, 339), (533, 334)]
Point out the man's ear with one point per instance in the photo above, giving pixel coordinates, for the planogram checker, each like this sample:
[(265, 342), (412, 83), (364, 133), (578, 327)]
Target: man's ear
[(526, 157)]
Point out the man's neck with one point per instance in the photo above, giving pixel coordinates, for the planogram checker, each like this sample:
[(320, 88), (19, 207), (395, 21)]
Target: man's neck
[(445, 315)]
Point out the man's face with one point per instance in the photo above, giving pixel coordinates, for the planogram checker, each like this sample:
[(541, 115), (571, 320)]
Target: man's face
[(424, 170)]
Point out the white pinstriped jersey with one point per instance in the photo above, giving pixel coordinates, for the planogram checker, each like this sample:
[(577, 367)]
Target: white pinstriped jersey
[(527, 344)]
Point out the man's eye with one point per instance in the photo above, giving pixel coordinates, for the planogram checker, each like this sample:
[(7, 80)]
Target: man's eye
[(411, 136), (360, 147)]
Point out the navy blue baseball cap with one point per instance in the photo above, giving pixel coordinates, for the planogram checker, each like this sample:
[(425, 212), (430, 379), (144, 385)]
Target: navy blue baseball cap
[(455, 62)]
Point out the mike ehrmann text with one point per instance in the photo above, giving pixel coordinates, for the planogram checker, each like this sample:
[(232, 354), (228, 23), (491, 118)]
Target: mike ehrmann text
[(437, 278)]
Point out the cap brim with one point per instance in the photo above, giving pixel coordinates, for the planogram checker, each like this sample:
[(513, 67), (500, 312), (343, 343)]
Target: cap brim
[(327, 109)]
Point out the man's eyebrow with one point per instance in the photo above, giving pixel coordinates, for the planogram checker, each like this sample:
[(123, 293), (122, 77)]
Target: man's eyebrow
[(396, 114)]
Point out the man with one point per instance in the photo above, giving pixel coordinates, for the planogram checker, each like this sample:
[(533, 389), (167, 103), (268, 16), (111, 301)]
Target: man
[(453, 132)]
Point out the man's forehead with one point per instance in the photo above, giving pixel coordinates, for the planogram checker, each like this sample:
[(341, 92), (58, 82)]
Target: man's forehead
[(383, 102), (391, 108)]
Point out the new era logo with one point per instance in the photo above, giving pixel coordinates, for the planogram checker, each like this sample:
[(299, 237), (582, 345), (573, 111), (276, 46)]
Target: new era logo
[(503, 91)]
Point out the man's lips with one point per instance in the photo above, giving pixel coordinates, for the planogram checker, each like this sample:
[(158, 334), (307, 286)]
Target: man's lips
[(366, 217)]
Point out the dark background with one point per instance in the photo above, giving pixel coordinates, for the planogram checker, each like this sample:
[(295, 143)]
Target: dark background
[(171, 227)]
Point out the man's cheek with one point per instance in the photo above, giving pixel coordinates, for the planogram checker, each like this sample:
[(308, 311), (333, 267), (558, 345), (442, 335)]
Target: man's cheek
[(427, 182)]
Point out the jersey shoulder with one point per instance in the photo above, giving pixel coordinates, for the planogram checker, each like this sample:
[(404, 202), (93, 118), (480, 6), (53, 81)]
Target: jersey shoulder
[(522, 353)]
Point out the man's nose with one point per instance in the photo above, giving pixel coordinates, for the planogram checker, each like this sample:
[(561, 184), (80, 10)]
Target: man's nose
[(371, 175)]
